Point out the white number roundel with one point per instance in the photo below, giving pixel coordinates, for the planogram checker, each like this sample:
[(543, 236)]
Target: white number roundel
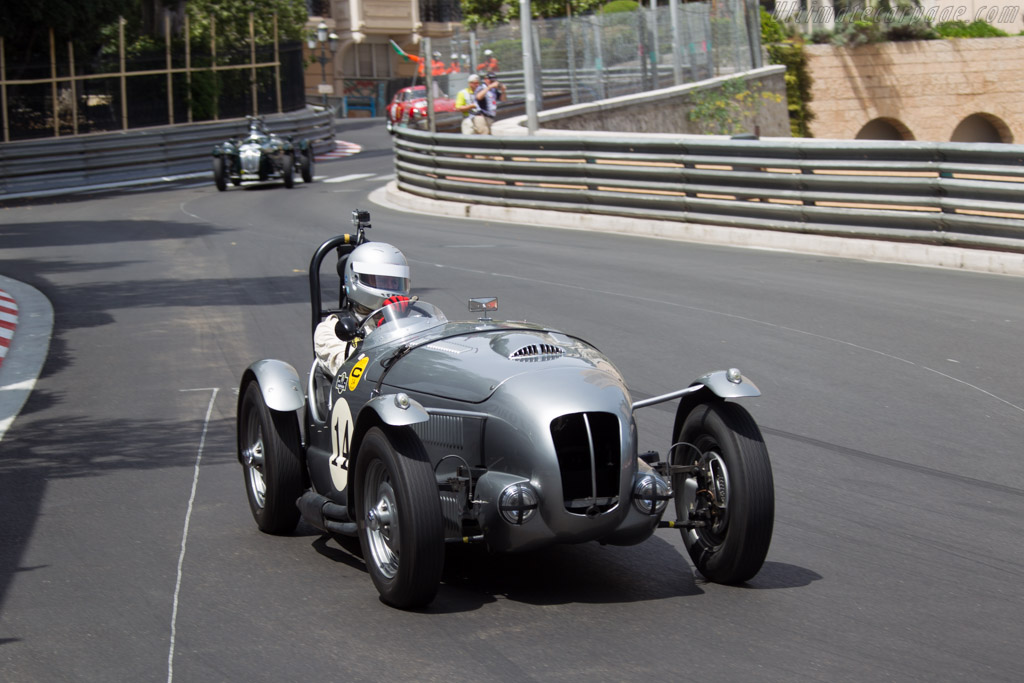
[(341, 437)]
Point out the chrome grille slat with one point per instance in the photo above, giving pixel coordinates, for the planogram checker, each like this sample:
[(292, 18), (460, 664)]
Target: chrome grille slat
[(539, 351), (451, 510), (445, 431)]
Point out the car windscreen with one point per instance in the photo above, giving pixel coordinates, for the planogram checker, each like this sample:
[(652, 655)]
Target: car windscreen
[(401, 320)]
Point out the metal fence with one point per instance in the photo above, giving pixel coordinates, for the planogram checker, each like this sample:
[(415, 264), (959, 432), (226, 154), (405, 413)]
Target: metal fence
[(594, 56), (65, 92), (139, 157), (936, 193)]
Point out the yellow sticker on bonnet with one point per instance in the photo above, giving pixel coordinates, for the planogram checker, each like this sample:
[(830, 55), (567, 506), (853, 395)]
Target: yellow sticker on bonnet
[(356, 373)]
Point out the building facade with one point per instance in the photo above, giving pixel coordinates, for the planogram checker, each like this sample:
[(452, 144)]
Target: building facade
[(363, 70)]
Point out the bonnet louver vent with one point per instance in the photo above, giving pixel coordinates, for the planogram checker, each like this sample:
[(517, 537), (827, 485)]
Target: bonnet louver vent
[(537, 352)]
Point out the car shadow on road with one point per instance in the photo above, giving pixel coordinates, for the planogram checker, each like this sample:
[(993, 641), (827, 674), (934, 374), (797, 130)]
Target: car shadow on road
[(559, 575), (774, 575), (588, 573)]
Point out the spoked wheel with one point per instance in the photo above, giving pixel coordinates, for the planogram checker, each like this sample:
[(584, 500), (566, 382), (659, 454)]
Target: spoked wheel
[(288, 170), (727, 507), (399, 515), (306, 164), (219, 177), (268, 446)]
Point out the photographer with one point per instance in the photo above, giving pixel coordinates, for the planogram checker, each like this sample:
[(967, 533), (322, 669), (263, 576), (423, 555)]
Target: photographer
[(487, 96)]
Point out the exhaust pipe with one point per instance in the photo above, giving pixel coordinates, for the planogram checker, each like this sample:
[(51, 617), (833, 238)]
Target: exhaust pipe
[(326, 515)]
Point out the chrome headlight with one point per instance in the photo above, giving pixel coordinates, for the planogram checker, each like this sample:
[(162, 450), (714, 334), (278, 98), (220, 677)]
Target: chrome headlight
[(518, 503), (650, 494)]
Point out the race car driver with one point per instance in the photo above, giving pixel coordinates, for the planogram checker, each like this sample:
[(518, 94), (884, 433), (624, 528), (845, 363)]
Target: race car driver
[(376, 274)]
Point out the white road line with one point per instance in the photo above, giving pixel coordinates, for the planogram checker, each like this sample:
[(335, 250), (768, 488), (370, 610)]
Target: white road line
[(389, 176), (346, 178), (184, 533)]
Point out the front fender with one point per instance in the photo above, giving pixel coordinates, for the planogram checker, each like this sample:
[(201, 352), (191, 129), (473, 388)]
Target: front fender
[(715, 386), (396, 410), (721, 386), (385, 410), (279, 383), (224, 149)]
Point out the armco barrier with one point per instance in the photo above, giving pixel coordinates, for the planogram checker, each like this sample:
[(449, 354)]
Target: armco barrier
[(967, 195), (54, 164)]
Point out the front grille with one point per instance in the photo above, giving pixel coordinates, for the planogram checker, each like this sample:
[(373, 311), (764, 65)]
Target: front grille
[(588, 450), (250, 159)]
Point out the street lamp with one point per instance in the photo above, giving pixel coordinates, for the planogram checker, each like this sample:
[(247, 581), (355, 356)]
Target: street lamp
[(331, 40)]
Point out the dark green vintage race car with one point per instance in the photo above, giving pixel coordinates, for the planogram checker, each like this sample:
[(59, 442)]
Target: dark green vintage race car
[(261, 155)]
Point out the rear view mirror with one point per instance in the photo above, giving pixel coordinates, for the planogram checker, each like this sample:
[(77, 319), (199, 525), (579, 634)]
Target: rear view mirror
[(346, 327), (486, 303)]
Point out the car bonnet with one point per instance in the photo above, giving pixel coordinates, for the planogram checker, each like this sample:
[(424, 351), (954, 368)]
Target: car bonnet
[(472, 361)]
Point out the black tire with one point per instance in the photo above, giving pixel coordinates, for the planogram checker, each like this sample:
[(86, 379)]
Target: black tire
[(732, 545), (219, 179), (307, 165), (269, 447), (398, 511), (288, 170)]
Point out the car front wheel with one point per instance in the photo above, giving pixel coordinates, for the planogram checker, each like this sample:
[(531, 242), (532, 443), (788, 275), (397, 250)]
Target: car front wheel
[(219, 178), (269, 448), (306, 164), (288, 170), (399, 517), (727, 501)]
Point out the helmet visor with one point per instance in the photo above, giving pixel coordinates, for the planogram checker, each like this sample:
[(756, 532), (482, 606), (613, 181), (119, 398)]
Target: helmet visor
[(388, 283)]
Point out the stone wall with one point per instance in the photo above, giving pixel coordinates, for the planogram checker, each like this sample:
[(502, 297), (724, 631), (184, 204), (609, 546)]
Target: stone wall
[(963, 90), (666, 110)]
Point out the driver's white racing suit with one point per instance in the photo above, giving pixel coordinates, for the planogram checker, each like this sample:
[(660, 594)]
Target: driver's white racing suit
[(331, 351)]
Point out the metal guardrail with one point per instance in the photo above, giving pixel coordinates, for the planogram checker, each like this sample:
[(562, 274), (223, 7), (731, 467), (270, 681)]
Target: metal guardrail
[(128, 157), (933, 193)]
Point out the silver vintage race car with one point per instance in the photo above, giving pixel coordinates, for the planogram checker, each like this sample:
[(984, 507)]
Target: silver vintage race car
[(261, 155), (509, 434)]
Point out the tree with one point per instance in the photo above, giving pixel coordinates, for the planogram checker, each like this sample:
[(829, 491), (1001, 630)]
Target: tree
[(233, 19), (25, 24), (490, 12), (92, 25)]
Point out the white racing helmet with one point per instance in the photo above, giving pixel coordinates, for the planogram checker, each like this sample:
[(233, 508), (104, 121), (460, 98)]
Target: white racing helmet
[(373, 272)]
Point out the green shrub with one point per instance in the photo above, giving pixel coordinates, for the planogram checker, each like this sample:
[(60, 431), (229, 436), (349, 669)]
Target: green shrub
[(725, 110), (859, 32), (619, 6), (975, 29), (910, 28), (771, 29), (821, 36), (790, 53)]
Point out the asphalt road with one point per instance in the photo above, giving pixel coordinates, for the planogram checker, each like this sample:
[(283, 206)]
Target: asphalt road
[(893, 410)]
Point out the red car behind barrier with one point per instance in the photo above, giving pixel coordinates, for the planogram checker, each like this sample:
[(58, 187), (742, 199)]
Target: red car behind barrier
[(409, 108)]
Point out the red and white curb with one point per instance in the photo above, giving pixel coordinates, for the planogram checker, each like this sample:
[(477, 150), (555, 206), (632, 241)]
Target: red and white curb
[(341, 149), (8, 321)]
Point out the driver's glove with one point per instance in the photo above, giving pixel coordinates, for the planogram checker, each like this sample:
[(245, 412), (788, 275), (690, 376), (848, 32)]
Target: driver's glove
[(400, 301)]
